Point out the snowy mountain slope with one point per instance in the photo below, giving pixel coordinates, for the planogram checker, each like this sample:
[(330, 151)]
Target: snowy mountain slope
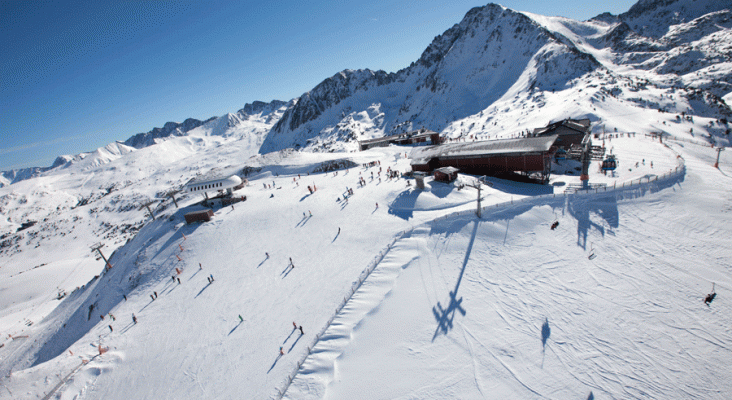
[(190, 342), (191, 338), (70, 209), (498, 60), (494, 51), (141, 140), (655, 18), (503, 307), (254, 119)]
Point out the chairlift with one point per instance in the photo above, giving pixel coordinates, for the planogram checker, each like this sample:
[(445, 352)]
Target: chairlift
[(592, 252), (609, 164)]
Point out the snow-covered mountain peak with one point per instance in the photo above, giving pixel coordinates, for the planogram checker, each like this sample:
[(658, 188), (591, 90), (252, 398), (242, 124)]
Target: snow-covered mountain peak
[(653, 18)]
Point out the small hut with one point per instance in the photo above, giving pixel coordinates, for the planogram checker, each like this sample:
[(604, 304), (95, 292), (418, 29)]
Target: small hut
[(199, 216), (446, 174)]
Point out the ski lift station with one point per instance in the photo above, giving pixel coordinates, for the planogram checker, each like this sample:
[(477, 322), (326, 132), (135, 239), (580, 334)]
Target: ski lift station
[(489, 157), (214, 181)]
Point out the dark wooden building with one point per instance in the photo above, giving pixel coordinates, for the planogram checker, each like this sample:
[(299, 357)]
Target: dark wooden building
[(490, 157), (199, 216), (569, 131), (446, 174), (421, 136)]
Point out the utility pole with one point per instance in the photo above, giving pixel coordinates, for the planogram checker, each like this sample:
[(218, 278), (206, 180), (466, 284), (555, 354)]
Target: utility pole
[(172, 194), (478, 185), (147, 205), (98, 248), (719, 150)]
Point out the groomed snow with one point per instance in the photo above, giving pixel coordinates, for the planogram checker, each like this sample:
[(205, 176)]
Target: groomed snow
[(531, 315)]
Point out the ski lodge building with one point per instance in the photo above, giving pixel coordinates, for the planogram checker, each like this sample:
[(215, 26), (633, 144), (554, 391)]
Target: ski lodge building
[(421, 136), (214, 181), (569, 131), (490, 157)]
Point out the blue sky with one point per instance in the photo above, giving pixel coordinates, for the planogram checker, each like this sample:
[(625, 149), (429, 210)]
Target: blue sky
[(77, 75)]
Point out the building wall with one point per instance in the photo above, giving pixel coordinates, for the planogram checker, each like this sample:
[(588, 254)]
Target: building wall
[(567, 137), (495, 164)]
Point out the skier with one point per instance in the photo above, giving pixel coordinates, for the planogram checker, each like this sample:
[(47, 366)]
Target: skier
[(110, 328), (377, 205), (282, 353), (710, 296), (555, 225), (112, 316), (200, 267), (291, 263), (241, 319), (212, 279), (294, 324), (156, 294), (173, 278), (153, 298), (134, 318), (311, 214), (301, 332), (125, 296), (339, 230), (178, 280), (266, 254)]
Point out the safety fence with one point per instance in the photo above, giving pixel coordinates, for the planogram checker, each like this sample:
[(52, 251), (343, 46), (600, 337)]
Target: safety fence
[(66, 378), (643, 183)]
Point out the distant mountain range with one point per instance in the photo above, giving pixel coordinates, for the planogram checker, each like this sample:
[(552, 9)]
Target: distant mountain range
[(670, 55)]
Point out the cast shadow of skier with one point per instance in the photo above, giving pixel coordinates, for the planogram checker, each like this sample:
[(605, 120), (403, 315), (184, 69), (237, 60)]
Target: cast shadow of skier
[(303, 221), (295, 342), (344, 204), (194, 274), (545, 332), (127, 327), (286, 271), (274, 363), (237, 325), (445, 316), (204, 288), (289, 336), (305, 197)]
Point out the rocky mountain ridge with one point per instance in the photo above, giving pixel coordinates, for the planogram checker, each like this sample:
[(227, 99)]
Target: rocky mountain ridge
[(257, 111), (496, 56), (487, 73)]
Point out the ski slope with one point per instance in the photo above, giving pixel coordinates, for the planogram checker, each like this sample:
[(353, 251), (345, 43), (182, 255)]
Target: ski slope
[(504, 307), (455, 306)]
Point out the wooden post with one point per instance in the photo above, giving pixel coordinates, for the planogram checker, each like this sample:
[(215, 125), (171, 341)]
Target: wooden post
[(716, 163)]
